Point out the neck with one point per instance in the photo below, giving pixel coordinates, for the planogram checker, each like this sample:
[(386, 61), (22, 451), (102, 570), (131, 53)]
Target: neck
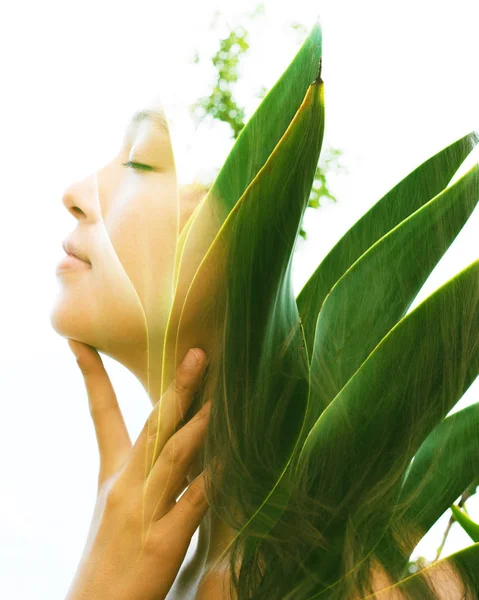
[(204, 574), (214, 535)]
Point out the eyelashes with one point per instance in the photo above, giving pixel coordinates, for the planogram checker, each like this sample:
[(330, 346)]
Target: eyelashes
[(137, 166)]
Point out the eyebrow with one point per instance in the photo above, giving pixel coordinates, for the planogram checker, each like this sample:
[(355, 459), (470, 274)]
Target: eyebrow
[(153, 116)]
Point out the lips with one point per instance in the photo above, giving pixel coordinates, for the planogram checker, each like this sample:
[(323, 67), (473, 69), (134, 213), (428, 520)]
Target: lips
[(71, 248)]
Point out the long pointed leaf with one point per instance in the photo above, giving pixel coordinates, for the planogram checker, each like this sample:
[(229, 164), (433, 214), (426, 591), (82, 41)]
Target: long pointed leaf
[(251, 257), (422, 184), (254, 145), (359, 448), (444, 466), (376, 292)]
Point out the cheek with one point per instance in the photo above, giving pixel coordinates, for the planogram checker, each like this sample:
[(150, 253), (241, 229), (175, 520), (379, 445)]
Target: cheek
[(130, 284), (143, 228), (73, 311)]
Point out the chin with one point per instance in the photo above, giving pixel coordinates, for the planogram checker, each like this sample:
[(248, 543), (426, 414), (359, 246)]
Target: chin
[(80, 323), (67, 321), (119, 335)]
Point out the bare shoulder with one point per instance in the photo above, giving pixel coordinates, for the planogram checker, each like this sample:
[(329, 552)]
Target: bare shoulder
[(447, 584), (215, 585), (442, 578)]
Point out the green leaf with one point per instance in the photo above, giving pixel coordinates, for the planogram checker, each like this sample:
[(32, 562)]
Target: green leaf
[(443, 467), (378, 289), (359, 448), (253, 146), (469, 526), (256, 244), (422, 184)]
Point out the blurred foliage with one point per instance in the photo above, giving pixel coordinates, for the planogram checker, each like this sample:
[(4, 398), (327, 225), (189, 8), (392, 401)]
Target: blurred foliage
[(417, 565), (221, 105)]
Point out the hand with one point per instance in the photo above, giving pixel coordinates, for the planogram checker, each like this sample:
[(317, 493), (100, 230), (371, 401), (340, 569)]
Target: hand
[(139, 534)]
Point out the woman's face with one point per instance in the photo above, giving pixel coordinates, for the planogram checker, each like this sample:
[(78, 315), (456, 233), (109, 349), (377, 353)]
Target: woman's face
[(127, 228)]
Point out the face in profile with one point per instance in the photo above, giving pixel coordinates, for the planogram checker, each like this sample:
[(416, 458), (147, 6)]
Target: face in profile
[(118, 296)]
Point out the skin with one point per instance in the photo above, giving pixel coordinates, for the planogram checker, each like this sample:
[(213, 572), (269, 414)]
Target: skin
[(440, 575), (140, 532), (127, 226)]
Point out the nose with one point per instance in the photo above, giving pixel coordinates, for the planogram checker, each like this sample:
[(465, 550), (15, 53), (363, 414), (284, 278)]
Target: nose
[(81, 199)]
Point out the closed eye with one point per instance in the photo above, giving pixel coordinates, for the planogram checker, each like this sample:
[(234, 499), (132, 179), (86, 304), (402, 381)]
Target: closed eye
[(137, 166)]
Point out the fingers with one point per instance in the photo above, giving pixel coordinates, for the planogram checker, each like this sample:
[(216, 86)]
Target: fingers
[(170, 469), (172, 534), (166, 417), (184, 518), (112, 436)]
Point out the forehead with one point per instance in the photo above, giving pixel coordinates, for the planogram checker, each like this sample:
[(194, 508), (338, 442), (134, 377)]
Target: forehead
[(154, 116)]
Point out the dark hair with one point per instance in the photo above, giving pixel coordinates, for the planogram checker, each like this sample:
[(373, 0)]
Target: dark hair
[(320, 488), (321, 402)]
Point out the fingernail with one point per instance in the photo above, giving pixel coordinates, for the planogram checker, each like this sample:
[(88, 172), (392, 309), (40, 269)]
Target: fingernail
[(193, 358)]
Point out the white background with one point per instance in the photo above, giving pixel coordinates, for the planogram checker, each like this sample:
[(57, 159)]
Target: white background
[(401, 84)]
